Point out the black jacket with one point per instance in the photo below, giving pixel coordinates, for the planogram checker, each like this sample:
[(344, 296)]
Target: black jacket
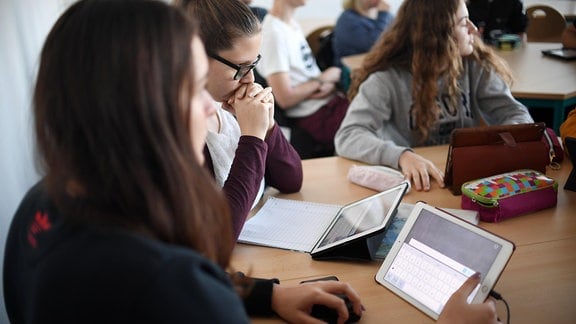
[(56, 272), (498, 17)]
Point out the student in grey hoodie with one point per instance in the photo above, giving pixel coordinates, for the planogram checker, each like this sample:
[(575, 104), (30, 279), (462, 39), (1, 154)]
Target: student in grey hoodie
[(429, 74)]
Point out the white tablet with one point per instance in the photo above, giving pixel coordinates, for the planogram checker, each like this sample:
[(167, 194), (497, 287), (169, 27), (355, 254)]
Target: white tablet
[(435, 253)]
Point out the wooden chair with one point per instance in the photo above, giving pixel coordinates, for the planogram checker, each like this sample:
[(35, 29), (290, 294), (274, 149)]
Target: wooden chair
[(314, 37), (545, 24)]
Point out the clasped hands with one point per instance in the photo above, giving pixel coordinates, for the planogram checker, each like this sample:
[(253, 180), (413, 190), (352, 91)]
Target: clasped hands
[(253, 107), (329, 78)]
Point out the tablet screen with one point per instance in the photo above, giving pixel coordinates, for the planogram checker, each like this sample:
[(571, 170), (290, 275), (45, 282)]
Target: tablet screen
[(362, 217), (435, 255)]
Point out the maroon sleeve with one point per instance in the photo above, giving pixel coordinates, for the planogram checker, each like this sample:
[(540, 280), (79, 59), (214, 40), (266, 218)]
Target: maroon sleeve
[(283, 164), (246, 174), (275, 157)]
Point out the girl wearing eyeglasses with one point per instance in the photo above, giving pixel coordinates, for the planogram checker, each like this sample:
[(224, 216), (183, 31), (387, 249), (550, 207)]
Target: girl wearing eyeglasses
[(127, 226), (245, 147)]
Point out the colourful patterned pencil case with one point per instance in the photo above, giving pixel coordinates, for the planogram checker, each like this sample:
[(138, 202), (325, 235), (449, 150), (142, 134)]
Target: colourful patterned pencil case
[(510, 194)]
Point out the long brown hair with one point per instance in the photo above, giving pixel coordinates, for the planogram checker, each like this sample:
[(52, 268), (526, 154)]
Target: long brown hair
[(112, 111), (221, 21), (421, 40)]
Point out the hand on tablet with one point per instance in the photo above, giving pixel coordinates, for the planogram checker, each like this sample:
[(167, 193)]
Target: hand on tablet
[(295, 303), (457, 309)]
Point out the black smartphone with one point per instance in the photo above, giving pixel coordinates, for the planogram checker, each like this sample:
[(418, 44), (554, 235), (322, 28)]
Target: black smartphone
[(334, 278)]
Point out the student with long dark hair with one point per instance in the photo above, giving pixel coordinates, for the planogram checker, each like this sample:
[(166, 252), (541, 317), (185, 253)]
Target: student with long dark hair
[(127, 226)]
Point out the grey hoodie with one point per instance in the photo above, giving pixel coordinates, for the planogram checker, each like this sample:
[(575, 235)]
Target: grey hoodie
[(378, 126)]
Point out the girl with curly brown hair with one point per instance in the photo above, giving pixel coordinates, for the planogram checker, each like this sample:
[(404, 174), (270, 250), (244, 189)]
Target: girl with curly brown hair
[(429, 74)]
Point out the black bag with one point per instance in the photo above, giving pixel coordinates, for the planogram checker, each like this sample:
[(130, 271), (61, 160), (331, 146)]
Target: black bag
[(325, 55)]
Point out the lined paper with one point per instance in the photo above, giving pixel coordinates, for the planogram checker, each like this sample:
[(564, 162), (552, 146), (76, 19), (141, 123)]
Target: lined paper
[(288, 224)]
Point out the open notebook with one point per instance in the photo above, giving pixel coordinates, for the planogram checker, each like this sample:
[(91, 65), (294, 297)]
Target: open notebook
[(352, 231)]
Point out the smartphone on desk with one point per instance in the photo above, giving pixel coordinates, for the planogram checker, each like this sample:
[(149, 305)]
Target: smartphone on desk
[(561, 53)]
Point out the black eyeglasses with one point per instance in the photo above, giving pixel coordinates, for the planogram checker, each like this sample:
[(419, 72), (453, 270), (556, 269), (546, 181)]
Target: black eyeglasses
[(241, 69)]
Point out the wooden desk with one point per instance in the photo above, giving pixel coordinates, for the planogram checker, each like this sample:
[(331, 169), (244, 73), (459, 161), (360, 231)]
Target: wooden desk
[(539, 283), (540, 81)]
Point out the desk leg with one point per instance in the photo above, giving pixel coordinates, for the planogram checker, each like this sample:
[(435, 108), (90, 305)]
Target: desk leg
[(558, 115)]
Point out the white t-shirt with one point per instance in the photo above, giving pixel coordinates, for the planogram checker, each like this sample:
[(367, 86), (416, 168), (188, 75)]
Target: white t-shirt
[(285, 49)]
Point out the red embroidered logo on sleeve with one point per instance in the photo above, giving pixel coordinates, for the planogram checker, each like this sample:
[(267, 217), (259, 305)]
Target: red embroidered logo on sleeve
[(40, 223)]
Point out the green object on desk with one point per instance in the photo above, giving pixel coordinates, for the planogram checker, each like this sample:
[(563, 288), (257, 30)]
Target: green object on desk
[(507, 42)]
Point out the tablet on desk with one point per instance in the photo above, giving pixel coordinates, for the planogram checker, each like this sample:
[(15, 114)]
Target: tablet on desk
[(561, 53), (435, 253), (353, 231)]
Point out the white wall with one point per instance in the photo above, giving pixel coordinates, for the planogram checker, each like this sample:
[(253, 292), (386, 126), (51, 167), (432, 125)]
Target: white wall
[(23, 27), (317, 13), (321, 8)]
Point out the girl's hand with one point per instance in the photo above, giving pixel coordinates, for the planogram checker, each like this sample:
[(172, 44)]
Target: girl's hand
[(331, 74), (254, 109), (325, 89), (418, 170), (457, 309), (383, 6), (294, 304)]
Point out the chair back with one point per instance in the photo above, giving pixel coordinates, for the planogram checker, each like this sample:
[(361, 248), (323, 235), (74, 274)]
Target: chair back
[(545, 24), (314, 37), (320, 42)]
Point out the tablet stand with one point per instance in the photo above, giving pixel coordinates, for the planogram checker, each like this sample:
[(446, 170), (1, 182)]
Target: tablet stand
[(362, 249)]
